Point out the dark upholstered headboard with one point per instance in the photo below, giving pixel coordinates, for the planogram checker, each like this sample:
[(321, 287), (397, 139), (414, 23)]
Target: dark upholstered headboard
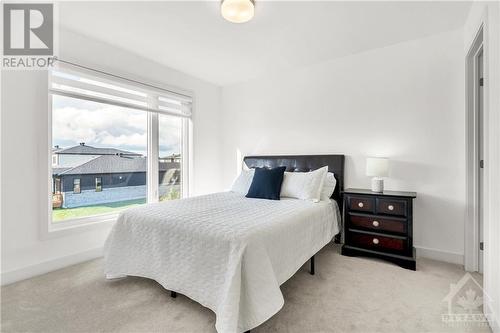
[(303, 163)]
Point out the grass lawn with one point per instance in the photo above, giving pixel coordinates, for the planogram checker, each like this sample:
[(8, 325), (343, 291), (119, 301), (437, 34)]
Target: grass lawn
[(60, 214)]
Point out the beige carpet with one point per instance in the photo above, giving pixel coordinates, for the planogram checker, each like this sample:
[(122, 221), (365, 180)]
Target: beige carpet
[(346, 295)]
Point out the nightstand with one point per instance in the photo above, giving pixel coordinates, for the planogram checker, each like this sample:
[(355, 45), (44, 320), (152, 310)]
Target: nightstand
[(379, 225)]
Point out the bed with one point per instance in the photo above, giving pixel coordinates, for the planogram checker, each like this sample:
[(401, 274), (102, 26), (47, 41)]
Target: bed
[(227, 252)]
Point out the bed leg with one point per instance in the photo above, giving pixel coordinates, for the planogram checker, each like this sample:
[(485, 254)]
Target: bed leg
[(312, 266), (173, 294)]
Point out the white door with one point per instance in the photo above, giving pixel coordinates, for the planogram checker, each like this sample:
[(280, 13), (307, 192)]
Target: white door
[(480, 122)]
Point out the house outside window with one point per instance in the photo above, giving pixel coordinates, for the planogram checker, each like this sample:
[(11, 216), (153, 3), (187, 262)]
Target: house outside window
[(134, 154)]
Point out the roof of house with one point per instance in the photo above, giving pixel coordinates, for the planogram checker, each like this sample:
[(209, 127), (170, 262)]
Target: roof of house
[(83, 149), (115, 164), (56, 171)]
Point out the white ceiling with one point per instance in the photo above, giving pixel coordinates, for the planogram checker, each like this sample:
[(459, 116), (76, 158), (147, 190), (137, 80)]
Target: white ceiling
[(193, 38)]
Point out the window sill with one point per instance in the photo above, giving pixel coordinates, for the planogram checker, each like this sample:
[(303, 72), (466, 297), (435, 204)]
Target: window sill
[(78, 225)]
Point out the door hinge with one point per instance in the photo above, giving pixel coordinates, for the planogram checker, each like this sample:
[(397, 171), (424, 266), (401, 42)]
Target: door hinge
[(481, 82), (481, 246), (481, 164)]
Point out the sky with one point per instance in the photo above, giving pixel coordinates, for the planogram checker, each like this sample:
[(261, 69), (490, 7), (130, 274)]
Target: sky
[(102, 125)]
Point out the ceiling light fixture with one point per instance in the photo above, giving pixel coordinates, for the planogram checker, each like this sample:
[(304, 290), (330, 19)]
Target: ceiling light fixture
[(237, 11)]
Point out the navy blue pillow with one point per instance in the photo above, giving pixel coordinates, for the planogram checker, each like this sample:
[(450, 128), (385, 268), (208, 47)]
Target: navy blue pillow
[(266, 183)]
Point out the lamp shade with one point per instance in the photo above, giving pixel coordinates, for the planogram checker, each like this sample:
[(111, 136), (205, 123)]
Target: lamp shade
[(377, 167)]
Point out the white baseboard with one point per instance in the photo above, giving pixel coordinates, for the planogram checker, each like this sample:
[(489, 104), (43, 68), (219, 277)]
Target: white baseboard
[(49, 266), (492, 321), (440, 255)]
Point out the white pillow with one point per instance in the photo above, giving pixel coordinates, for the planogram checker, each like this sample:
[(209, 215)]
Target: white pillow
[(242, 183), (328, 186), (304, 185)]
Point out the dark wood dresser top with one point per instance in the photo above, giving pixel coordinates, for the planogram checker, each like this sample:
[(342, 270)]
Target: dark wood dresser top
[(385, 193)]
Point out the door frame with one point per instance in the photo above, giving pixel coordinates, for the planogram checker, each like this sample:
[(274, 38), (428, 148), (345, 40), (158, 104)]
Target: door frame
[(471, 253)]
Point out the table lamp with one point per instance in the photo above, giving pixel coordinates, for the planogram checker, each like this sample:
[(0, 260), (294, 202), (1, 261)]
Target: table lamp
[(377, 167)]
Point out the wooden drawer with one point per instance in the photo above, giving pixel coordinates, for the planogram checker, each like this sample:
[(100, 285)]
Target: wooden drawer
[(377, 242), (377, 223), (391, 207), (361, 204)]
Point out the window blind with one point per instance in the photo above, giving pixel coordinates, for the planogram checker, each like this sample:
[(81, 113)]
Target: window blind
[(80, 82)]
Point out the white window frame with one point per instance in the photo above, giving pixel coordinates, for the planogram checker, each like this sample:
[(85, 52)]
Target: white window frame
[(60, 228), (98, 189), (79, 185)]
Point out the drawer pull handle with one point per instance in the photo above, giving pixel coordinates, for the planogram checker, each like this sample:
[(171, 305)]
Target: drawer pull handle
[(390, 207), (375, 223), (360, 204), (375, 241)]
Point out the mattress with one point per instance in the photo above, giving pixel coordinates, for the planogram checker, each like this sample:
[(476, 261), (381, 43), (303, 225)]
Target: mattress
[(225, 251)]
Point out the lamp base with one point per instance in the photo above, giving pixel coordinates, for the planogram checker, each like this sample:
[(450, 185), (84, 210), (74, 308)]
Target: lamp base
[(377, 185)]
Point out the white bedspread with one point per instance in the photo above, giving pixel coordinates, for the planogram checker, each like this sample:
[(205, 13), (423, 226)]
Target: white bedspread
[(225, 251)]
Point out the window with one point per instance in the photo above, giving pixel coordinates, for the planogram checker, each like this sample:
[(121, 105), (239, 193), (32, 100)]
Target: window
[(76, 186), (57, 186), (98, 184), (108, 130), (170, 157)]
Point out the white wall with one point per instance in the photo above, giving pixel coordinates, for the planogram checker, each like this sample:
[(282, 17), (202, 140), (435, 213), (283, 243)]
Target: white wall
[(488, 14), (404, 101), (24, 160)]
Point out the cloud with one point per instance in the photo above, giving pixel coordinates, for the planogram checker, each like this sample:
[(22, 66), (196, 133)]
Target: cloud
[(101, 125), (136, 140)]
